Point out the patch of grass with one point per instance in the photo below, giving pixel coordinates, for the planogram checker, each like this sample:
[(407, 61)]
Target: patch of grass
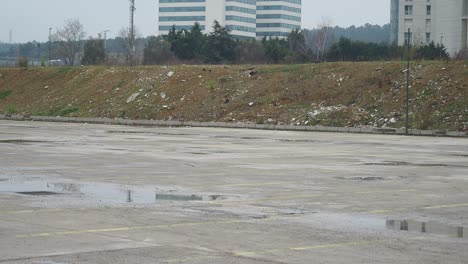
[(119, 85), (5, 94), (294, 68), (57, 112), (212, 84), (122, 114), (11, 109), (61, 70), (68, 111)]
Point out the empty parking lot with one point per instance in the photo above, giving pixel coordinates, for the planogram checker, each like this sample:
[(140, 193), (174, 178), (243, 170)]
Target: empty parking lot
[(81, 193)]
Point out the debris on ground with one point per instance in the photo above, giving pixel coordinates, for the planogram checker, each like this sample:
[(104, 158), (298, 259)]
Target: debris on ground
[(368, 94)]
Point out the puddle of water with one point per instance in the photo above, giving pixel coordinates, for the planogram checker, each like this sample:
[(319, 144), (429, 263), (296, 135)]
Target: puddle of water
[(363, 178), (100, 193), (298, 140), (360, 223), (403, 163), (425, 227), (459, 155), (20, 141), (125, 132), (178, 197), (172, 197), (38, 193)]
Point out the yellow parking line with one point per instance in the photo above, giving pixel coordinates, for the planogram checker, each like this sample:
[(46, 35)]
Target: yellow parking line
[(267, 199), (270, 251), (381, 211), (390, 191), (445, 206), (118, 229), (278, 198), (192, 259), (125, 178), (253, 184), (31, 211)]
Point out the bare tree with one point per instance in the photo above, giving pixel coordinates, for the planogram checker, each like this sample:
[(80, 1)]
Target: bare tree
[(320, 39), (69, 40), (128, 42)]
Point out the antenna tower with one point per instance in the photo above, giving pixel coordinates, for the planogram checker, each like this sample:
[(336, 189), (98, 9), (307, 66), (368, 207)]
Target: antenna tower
[(132, 32)]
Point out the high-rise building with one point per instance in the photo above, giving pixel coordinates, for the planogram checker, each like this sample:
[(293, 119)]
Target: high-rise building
[(239, 16), (276, 18), (244, 18), (438, 21)]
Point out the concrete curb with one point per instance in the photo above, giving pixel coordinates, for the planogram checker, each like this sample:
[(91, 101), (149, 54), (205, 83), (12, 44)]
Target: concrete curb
[(162, 123)]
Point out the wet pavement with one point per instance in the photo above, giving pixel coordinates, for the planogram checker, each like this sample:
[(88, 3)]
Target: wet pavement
[(80, 193)]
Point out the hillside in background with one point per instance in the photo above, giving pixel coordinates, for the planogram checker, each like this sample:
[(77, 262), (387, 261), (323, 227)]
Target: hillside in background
[(328, 94)]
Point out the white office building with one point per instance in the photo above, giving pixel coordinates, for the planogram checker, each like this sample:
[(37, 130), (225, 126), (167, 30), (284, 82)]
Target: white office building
[(438, 21), (276, 18), (239, 16), (244, 18)]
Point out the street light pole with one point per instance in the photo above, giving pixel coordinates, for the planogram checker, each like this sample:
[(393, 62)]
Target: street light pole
[(408, 81), (50, 40)]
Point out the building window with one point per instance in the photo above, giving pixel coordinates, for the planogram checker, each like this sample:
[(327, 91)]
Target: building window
[(408, 38), (408, 10), (428, 38), (428, 10)]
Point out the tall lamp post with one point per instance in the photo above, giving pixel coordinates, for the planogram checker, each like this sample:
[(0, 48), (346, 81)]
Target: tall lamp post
[(50, 40), (408, 81)]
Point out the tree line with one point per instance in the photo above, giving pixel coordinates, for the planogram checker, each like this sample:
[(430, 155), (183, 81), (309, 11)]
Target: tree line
[(219, 46)]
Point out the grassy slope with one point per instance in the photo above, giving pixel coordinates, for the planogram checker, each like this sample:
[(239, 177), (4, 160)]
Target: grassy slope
[(334, 94)]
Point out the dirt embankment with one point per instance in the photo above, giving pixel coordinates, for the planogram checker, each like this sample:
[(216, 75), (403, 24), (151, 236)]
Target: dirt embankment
[(329, 94)]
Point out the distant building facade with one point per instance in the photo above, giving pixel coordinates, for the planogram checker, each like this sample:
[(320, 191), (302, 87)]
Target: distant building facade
[(244, 18), (438, 21), (277, 18)]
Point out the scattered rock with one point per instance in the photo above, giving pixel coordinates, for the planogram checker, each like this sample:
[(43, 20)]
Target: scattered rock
[(251, 103), (46, 87), (132, 98), (163, 95), (170, 74)]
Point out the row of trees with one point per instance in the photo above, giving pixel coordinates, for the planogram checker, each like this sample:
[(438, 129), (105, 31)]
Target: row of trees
[(348, 50), (219, 46), (69, 44)]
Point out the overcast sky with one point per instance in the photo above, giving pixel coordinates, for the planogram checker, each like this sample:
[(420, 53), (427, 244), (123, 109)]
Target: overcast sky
[(31, 19)]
